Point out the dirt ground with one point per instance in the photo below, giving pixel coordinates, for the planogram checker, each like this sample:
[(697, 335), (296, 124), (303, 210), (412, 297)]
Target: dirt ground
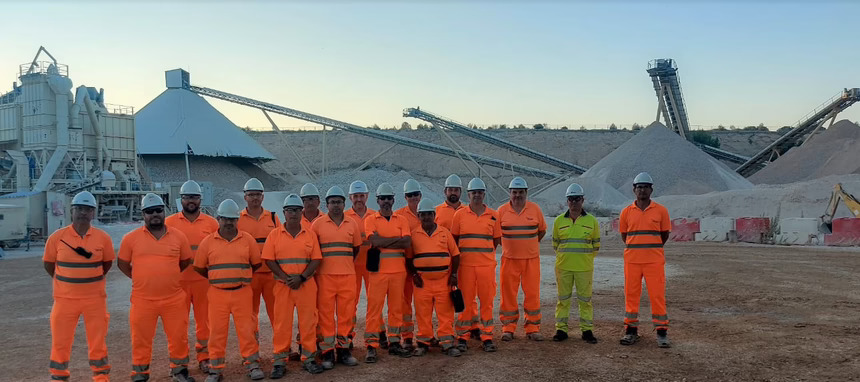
[(738, 312)]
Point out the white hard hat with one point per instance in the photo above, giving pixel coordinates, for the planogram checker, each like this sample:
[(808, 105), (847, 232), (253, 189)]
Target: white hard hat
[(334, 191), (309, 190), (190, 188), (476, 184), (293, 200), (453, 181), (574, 190), (411, 185), (84, 198), (518, 182), (253, 184), (385, 189), (358, 187), (643, 177), (228, 209), (151, 200), (426, 205)]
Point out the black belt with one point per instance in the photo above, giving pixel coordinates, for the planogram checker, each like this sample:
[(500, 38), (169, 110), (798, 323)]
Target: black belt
[(233, 288)]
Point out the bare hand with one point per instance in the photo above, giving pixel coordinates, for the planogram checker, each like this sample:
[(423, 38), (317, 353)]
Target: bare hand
[(452, 280), (294, 281), (418, 281)]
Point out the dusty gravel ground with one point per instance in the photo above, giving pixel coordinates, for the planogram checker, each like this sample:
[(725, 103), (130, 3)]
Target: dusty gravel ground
[(739, 312)]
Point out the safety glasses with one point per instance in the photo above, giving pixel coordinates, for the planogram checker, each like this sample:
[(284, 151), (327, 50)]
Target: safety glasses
[(156, 210), (412, 194), (385, 197)]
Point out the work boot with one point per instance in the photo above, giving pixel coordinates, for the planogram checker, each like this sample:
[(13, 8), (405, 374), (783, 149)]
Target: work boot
[(204, 366), (507, 336), (453, 352), (346, 358), (278, 372), (408, 344), (631, 336), (475, 334), (588, 336), (462, 345), (560, 335), (383, 340), (182, 376), (395, 349), (663, 339), (371, 356), (489, 346), (535, 336), (328, 360), (312, 366), (256, 374), (420, 350), (213, 378)]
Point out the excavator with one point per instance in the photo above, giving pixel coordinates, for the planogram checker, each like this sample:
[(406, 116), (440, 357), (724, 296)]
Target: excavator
[(850, 202)]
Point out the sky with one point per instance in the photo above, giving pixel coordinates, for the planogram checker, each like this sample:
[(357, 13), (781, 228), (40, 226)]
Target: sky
[(560, 63)]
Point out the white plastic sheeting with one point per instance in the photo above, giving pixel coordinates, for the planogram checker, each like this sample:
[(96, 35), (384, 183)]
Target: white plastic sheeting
[(178, 119)]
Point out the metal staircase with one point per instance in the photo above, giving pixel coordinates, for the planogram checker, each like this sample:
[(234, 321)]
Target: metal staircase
[(477, 134)]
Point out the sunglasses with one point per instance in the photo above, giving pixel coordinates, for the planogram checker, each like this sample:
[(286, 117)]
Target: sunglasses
[(412, 194), (190, 197), (156, 210), (575, 198), (386, 197)]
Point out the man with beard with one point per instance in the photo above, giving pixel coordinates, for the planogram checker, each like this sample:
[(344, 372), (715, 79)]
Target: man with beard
[(154, 256), (445, 211), (77, 257), (196, 226)]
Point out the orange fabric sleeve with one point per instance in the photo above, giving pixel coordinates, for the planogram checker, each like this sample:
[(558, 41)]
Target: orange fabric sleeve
[(50, 250), (269, 247), (316, 253), (253, 249), (665, 223), (201, 259), (108, 254)]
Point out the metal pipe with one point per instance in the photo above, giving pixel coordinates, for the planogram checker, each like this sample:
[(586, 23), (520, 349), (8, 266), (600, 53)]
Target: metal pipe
[(103, 161)]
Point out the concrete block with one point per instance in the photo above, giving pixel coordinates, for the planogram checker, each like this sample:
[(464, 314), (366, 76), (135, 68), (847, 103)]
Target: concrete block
[(684, 229), (715, 229), (798, 231), (752, 230)]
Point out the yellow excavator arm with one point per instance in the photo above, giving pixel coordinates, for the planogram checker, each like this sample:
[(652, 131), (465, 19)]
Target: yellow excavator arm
[(837, 195)]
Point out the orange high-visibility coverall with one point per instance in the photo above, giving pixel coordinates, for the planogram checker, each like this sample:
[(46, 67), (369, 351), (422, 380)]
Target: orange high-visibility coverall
[(263, 283), (445, 214), (520, 265), (195, 286), (293, 254), (644, 258), (229, 265), (387, 282), (360, 263), (477, 274), (431, 256), (336, 279), (79, 289), (156, 292)]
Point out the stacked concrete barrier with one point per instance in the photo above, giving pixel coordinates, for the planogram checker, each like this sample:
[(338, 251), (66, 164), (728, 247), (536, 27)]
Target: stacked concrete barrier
[(715, 229), (798, 231), (846, 232), (684, 229), (752, 230)]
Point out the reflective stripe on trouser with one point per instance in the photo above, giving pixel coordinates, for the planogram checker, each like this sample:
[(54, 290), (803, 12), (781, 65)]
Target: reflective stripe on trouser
[(224, 304), (195, 297), (143, 318), (565, 280), (262, 285), (434, 295), (477, 282), (516, 272), (288, 301), (336, 295), (408, 322), (384, 285), (655, 281), (64, 318)]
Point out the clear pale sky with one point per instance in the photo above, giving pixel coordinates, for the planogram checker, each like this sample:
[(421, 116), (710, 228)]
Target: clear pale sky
[(562, 63)]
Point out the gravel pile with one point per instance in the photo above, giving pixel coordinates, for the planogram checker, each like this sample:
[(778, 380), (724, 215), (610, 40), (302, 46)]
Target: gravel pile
[(677, 166), (832, 152)]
